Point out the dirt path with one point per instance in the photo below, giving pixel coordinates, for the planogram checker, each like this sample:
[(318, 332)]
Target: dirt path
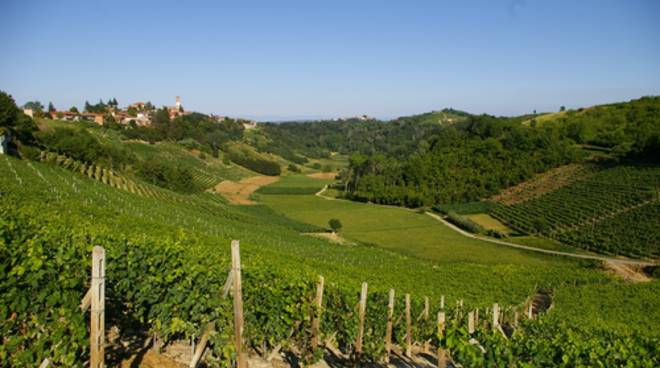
[(333, 237), (539, 250), (320, 194), (239, 192), (323, 175)]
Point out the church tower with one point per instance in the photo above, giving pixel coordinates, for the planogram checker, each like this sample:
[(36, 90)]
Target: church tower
[(178, 103)]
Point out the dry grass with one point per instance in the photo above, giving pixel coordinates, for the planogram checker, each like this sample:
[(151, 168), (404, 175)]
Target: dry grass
[(489, 223), (323, 175), (239, 192), (333, 237), (627, 272)]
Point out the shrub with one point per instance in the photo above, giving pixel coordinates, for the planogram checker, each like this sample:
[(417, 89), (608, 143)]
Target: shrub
[(255, 163), (464, 223), (166, 176)]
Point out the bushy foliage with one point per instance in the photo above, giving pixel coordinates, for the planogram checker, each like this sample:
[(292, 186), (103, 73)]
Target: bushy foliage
[(167, 176), (13, 122), (246, 157), (629, 128), (81, 145), (465, 223), (317, 139), (203, 129), (459, 166)]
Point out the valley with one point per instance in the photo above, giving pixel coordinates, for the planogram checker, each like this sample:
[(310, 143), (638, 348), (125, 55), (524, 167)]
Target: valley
[(166, 212)]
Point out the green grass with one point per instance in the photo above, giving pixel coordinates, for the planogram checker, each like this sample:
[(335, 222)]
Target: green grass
[(544, 243), (401, 230), (489, 223), (295, 184)]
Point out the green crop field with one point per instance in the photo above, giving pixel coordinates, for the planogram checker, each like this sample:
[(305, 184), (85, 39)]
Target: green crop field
[(53, 216), (607, 212), (398, 229)]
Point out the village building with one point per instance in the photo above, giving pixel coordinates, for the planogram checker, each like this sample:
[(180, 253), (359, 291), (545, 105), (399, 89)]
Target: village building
[(139, 106), (249, 124), (74, 116), (29, 112), (176, 110), (4, 142), (65, 115)]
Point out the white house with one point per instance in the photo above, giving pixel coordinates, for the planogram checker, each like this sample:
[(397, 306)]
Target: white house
[(4, 143)]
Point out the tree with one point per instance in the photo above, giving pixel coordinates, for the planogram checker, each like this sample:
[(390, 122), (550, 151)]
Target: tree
[(14, 121), (51, 107), (8, 111), (335, 225), (35, 106), (562, 108), (74, 109), (132, 111)]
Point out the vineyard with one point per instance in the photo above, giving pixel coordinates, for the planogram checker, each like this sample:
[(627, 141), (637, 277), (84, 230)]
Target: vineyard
[(611, 212), (168, 258)]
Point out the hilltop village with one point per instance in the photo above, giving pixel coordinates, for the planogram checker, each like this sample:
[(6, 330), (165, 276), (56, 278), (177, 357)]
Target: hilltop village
[(136, 114)]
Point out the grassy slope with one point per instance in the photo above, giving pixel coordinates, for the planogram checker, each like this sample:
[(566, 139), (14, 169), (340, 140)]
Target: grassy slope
[(398, 229), (206, 221), (419, 236), (207, 171)]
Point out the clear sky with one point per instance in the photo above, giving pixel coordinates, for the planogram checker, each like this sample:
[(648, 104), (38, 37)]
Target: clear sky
[(309, 59)]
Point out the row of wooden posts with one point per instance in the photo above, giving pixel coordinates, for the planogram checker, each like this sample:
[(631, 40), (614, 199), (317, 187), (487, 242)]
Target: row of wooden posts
[(94, 300)]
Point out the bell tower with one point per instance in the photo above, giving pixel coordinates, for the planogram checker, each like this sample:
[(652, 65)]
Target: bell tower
[(178, 103)]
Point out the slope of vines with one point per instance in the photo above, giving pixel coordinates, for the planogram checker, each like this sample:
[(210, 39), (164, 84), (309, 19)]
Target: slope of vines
[(613, 211), (167, 262)]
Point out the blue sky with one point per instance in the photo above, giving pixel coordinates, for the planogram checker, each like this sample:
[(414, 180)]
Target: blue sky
[(311, 59)]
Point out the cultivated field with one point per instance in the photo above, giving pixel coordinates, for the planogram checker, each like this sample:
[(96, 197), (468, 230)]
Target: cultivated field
[(240, 192), (404, 231)]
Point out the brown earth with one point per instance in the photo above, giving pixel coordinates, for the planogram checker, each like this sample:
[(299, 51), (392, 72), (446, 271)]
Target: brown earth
[(325, 175), (627, 272), (543, 183), (333, 237), (239, 192)]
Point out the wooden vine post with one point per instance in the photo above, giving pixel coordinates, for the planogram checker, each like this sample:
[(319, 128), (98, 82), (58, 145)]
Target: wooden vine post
[(361, 312), (97, 335), (425, 316), (471, 322), (388, 332), (408, 328), (318, 304), (238, 303), (442, 358), (496, 315)]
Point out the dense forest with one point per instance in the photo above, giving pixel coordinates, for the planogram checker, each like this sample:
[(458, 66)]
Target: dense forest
[(451, 156), (459, 165), (628, 128), (398, 137)]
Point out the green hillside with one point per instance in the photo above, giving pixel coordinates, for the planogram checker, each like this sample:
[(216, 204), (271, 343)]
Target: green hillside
[(167, 243), (613, 211), (75, 211)]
